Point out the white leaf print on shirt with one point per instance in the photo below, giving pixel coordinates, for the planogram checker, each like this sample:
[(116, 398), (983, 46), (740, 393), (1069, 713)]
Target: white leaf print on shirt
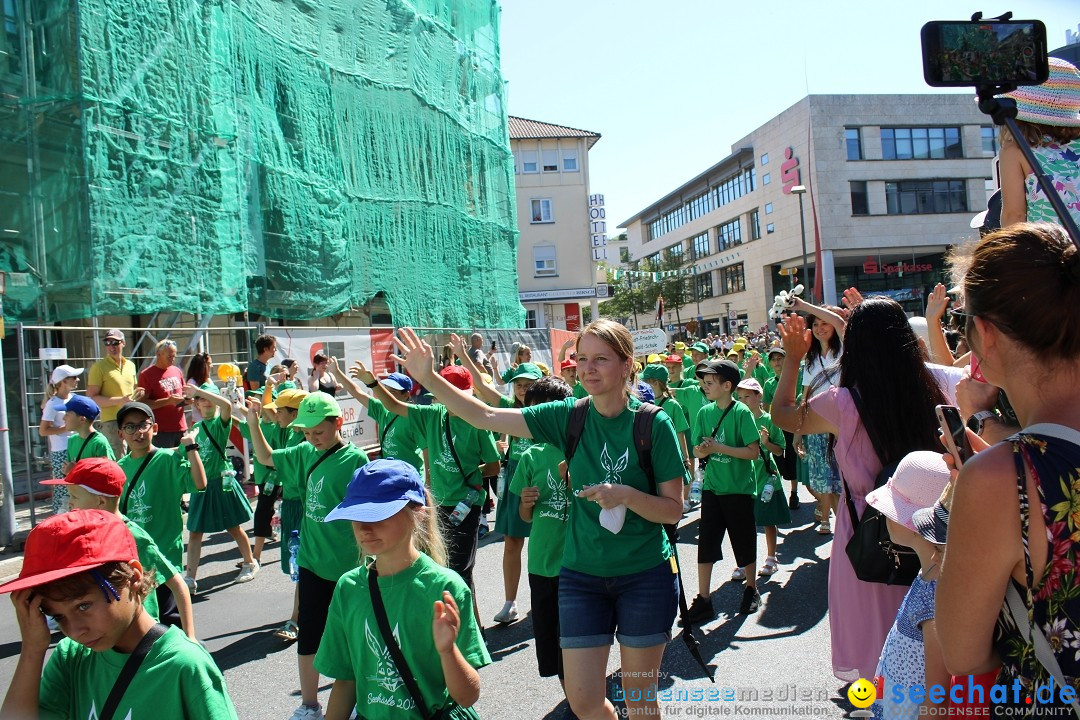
[(613, 470), (386, 675)]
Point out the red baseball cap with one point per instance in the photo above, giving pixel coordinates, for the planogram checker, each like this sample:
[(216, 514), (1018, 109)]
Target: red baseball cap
[(457, 376), (673, 359), (68, 544), (98, 475), (568, 364)]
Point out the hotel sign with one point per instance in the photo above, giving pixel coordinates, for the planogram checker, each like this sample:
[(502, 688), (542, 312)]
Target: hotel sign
[(598, 227)]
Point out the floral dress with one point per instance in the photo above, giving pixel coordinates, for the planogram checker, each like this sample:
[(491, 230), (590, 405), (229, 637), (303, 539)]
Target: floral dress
[(1051, 454), (1062, 164)]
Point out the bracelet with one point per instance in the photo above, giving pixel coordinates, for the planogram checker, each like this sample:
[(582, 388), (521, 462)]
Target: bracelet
[(191, 448), (372, 384)]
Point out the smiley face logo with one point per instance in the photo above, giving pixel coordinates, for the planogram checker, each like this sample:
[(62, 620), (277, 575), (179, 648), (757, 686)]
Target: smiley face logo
[(862, 693)]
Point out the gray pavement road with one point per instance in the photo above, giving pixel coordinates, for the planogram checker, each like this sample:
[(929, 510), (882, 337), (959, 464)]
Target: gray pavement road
[(774, 663)]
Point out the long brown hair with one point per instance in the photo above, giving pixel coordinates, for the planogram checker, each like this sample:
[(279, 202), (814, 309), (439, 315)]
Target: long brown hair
[(1036, 134)]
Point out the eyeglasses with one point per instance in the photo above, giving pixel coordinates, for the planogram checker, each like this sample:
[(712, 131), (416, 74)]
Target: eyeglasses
[(111, 342), (132, 428)]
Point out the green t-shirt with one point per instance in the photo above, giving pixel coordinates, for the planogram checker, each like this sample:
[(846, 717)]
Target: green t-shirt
[(151, 559), (776, 437), (768, 391), (352, 646), (580, 391), (606, 453), (154, 502), (676, 412), (762, 372), (397, 435), (474, 448), (726, 475), (209, 431), (516, 446), (96, 446), (539, 468), (327, 549), (689, 395), (177, 678), (270, 430)]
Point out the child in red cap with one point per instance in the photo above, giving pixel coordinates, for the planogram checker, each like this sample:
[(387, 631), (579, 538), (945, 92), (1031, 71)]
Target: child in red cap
[(82, 569)]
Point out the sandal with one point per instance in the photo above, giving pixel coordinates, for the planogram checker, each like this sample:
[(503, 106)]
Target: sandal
[(287, 632), (824, 528), (769, 567)]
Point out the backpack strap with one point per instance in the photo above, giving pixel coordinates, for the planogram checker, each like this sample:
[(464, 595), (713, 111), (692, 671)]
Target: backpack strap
[(643, 423), (576, 426)]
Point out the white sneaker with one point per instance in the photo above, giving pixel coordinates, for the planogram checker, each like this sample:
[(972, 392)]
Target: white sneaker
[(247, 574), (192, 585), (508, 614), (685, 506), (305, 712), (738, 574)]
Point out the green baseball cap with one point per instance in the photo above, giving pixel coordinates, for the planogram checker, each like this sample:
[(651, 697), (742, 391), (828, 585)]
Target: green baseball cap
[(700, 347), (314, 409), (529, 371), (655, 372), (210, 388)]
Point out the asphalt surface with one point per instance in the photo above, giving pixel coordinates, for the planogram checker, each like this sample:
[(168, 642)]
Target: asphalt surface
[(774, 663)]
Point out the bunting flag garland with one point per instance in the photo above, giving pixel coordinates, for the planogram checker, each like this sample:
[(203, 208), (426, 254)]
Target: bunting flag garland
[(698, 268)]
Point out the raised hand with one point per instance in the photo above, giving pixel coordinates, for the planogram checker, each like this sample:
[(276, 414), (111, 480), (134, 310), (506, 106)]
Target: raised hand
[(795, 336), (32, 624), (415, 354), (446, 623), (936, 303), (457, 344), (852, 297)]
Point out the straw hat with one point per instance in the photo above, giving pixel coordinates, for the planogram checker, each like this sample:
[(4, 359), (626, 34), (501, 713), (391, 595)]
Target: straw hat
[(1056, 102)]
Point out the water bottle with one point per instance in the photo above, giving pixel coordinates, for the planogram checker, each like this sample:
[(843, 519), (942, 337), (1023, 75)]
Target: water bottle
[(464, 507), (767, 491), (269, 485), (695, 491), (227, 478), (294, 553)]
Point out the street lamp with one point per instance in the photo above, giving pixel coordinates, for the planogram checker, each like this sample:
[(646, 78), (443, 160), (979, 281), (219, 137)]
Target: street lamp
[(800, 190)]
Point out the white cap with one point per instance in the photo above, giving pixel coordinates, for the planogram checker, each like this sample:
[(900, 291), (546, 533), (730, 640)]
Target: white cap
[(63, 372)]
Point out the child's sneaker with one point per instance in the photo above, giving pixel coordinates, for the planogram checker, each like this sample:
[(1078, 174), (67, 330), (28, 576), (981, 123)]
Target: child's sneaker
[(247, 573), (769, 567), (306, 712), (701, 611), (508, 614), (751, 601), (738, 574), (192, 585)]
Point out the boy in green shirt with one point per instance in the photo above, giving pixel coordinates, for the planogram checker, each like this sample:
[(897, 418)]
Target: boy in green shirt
[(96, 484), (727, 438), (324, 465), (82, 568), (157, 478), (80, 412), (545, 502)]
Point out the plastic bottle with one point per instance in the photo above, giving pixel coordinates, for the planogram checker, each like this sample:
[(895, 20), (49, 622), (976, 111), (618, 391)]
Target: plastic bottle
[(294, 555), (269, 485), (767, 491), (464, 507), (695, 491)]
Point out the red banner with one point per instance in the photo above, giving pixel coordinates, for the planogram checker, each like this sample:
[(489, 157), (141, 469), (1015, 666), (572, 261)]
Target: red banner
[(573, 316)]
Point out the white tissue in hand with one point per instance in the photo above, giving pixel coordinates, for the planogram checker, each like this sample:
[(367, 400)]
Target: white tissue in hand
[(612, 519)]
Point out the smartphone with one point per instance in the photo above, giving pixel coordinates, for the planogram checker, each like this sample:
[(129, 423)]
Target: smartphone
[(976, 373), (492, 346), (975, 53), (955, 433)]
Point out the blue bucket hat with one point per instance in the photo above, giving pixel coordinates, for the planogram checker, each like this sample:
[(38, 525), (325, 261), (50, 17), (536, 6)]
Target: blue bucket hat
[(379, 490), (398, 381)]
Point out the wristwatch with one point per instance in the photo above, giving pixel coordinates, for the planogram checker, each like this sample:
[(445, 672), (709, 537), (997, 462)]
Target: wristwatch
[(372, 384), (193, 447), (977, 421)]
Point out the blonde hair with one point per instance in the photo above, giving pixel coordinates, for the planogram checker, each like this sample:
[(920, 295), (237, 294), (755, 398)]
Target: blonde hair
[(426, 531)]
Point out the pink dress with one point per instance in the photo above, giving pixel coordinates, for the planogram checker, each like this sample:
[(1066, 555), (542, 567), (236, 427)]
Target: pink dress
[(860, 613)]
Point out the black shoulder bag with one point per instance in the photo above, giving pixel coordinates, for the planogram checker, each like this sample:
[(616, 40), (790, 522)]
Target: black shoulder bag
[(328, 453), (453, 710), (873, 554), (705, 460), (453, 451), (127, 673)]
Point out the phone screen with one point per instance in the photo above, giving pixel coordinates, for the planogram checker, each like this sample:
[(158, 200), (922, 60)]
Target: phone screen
[(955, 433), (969, 54)]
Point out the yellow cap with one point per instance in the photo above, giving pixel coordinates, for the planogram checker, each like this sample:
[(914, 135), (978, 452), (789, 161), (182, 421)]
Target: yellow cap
[(290, 398)]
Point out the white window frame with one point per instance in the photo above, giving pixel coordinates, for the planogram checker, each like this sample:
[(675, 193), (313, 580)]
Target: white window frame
[(545, 262), (540, 204), (549, 160), (570, 156), (530, 157)]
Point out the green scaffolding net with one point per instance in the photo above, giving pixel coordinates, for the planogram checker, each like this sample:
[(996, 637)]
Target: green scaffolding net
[(291, 158)]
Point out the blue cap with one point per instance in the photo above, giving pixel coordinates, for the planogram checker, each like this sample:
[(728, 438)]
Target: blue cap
[(82, 405), (378, 491), (398, 381), (645, 392)]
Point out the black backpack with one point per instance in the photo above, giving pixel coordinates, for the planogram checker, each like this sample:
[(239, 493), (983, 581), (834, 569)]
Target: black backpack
[(643, 421)]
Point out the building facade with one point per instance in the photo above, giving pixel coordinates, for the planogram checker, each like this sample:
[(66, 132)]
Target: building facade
[(891, 182), (556, 215)]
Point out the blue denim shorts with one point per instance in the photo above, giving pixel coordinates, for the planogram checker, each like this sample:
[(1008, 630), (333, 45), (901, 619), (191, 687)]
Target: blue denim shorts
[(639, 608)]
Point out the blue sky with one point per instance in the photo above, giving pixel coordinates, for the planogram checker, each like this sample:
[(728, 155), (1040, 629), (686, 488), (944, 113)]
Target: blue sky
[(671, 84)]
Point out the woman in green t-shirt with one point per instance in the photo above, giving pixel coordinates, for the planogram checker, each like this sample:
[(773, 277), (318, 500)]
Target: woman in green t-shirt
[(618, 571)]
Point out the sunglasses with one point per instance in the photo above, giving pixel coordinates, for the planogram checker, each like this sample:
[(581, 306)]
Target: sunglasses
[(111, 343), (132, 428)]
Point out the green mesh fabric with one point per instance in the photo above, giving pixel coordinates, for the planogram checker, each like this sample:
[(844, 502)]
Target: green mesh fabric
[(288, 157)]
